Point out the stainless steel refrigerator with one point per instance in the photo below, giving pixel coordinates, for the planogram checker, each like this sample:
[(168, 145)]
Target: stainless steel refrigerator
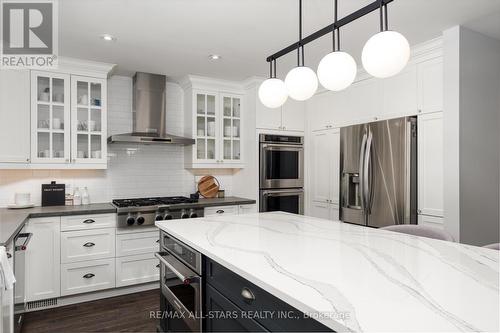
[(378, 172)]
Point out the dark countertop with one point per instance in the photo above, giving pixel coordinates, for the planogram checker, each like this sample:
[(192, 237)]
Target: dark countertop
[(13, 220), (227, 201)]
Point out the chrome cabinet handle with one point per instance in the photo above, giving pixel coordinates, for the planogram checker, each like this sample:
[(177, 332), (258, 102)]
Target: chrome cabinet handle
[(220, 211), (157, 241), (88, 276), (89, 244), (88, 221), (247, 295), (158, 266)]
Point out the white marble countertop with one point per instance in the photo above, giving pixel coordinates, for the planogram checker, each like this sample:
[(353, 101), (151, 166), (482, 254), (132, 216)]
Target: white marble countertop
[(354, 278)]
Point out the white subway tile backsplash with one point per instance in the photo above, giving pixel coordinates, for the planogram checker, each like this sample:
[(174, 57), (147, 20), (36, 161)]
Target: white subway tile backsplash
[(133, 170)]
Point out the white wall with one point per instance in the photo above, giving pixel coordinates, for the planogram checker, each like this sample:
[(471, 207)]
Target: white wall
[(472, 82), (133, 170)]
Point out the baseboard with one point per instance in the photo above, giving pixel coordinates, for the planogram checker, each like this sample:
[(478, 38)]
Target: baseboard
[(87, 297)]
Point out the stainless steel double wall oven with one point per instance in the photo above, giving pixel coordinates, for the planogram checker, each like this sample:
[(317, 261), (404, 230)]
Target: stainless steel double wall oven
[(281, 173)]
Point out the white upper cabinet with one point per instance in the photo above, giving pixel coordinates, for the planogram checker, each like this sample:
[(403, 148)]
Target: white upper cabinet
[(51, 127), (417, 89), (400, 94), (231, 128), (430, 164), (50, 117), (88, 120), (430, 81), (293, 115), (214, 117), (289, 117), (15, 116), (267, 118)]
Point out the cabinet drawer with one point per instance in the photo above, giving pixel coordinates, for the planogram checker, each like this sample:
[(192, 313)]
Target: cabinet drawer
[(131, 244), (87, 245), (137, 269), (82, 277), (233, 287), (221, 210), (431, 221), (82, 222), (217, 303)]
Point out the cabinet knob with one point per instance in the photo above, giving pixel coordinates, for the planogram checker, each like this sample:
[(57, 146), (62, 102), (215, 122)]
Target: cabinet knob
[(247, 295), (419, 111), (419, 211)]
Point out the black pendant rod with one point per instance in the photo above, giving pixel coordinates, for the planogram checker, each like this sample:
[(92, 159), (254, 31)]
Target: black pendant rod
[(328, 29), (299, 44)]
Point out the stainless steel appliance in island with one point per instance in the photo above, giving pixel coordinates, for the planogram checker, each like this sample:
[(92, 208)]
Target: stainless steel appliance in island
[(281, 173), (378, 170)]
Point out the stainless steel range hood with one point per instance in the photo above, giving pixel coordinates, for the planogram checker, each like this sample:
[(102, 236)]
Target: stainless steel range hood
[(149, 110)]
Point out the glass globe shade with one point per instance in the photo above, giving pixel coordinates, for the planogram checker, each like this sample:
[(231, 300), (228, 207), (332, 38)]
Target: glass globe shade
[(385, 54), (337, 71), (301, 83), (273, 93)]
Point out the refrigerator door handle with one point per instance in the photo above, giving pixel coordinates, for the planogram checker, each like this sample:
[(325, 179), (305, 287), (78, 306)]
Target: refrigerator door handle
[(362, 154), (366, 173)]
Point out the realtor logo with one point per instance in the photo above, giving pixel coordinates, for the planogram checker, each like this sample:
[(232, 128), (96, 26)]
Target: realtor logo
[(29, 34)]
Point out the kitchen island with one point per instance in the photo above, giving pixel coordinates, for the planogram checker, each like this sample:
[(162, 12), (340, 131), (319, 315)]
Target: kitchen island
[(353, 278)]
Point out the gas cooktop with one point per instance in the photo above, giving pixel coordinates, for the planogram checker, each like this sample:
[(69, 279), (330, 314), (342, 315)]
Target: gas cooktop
[(145, 211), (155, 201)]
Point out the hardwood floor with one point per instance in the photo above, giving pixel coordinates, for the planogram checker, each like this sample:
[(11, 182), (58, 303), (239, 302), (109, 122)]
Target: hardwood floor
[(128, 313)]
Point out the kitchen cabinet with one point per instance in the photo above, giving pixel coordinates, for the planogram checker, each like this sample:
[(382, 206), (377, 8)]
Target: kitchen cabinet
[(325, 174), (42, 111), (430, 164), (87, 276), (137, 269), (217, 303), (228, 291), (50, 117), (15, 116), (42, 259), (88, 120), (399, 94), (222, 210), (417, 89), (289, 117), (214, 119), (431, 221), (86, 245), (430, 85)]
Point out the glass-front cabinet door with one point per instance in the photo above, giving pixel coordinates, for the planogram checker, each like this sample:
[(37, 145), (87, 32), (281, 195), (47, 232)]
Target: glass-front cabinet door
[(231, 128), (50, 117), (88, 120), (206, 127)]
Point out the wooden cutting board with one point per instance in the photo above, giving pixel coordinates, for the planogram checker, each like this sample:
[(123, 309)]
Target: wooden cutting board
[(208, 186)]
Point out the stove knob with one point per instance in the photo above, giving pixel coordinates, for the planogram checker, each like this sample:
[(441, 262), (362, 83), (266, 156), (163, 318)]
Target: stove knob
[(168, 216), (140, 219), (192, 214), (130, 219), (159, 217), (184, 214)]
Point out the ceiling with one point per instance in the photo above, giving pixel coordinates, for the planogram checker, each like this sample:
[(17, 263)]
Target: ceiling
[(175, 37)]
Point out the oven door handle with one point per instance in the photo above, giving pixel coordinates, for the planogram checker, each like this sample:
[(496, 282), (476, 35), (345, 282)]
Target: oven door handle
[(295, 147), (280, 193), (185, 279)]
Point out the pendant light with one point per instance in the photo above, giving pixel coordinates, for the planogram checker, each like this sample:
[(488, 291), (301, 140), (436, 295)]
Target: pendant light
[(272, 92), (337, 70), (386, 53), (301, 82)]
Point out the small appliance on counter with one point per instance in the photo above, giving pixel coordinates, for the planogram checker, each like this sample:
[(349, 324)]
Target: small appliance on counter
[(53, 194), (21, 200)]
